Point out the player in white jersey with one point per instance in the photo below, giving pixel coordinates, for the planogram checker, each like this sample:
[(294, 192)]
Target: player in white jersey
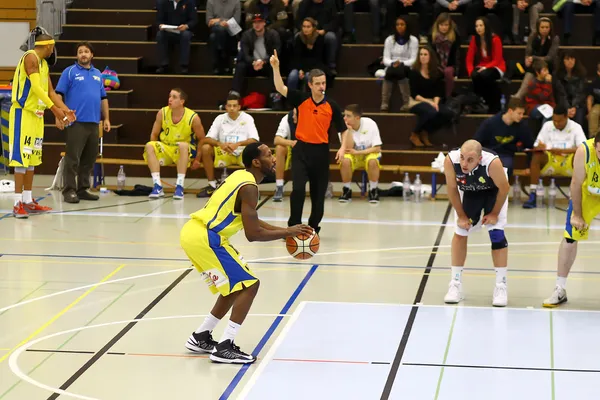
[(477, 182), (285, 140)]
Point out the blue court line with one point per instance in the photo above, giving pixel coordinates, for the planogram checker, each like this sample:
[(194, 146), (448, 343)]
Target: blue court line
[(9, 214), (238, 377)]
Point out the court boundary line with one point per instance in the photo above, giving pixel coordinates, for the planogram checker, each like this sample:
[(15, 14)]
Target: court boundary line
[(595, 371)]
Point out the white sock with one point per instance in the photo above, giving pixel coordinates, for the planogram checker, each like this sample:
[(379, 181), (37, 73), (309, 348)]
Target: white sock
[(533, 187), (18, 198), (230, 332), (373, 185), (180, 179), (561, 281), (457, 273), (209, 324), (500, 275), (347, 185), (213, 184), (279, 182), (156, 178), (27, 196)]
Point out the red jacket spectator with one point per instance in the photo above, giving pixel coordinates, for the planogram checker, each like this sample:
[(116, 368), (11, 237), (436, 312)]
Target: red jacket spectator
[(538, 93), (495, 59)]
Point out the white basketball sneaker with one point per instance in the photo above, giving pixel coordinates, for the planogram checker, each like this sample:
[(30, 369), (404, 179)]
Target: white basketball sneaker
[(558, 297), (455, 294), (500, 295)]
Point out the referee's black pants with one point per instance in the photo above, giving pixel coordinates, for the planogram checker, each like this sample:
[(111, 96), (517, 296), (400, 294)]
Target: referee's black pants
[(310, 163)]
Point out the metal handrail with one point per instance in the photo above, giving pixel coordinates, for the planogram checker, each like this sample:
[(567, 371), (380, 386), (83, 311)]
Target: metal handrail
[(52, 14)]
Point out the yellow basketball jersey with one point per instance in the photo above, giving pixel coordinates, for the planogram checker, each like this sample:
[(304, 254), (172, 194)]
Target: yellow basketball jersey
[(219, 214), (22, 95), (592, 169), (180, 132)]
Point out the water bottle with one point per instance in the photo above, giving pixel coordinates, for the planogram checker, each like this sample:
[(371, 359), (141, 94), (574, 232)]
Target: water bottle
[(418, 189), (540, 192), (503, 103), (224, 175), (516, 190), (552, 194), (121, 178), (526, 33), (406, 187)]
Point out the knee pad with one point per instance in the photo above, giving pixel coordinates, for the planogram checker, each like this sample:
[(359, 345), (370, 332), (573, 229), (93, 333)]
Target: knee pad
[(20, 170), (570, 241), (30, 168), (498, 239)]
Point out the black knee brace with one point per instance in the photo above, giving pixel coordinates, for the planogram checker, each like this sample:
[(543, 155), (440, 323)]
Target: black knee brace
[(498, 239)]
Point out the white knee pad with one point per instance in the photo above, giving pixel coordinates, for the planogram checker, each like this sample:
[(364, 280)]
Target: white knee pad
[(20, 170)]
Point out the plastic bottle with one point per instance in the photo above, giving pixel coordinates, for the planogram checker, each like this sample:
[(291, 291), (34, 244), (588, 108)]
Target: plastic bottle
[(406, 187), (516, 190), (121, 178), (503, 103), (540, 192), (418, 189), (552, 194), (224, 175)]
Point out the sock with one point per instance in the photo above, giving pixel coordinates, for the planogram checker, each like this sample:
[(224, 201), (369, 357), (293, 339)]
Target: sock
[(213, 184), (457, 273), (532, 188), (279, 182), (209, 324), (373, 185), (180, 179), (348, 185), (156, 178), (561, 281), (500, 275), (18, 198), (27, 196), (230, 332)]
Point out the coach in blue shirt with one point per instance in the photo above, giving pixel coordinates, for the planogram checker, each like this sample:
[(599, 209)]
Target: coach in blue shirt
[(81, 88)]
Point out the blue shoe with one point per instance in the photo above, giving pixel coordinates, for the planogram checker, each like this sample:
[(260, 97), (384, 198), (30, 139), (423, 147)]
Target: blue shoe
[(531, 203), (157, 192), (178, 193)]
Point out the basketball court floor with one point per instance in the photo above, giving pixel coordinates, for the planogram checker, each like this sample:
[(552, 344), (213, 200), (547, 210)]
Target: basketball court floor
[(97, 301)]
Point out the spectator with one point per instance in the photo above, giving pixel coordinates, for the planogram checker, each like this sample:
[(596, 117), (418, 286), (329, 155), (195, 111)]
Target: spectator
[(423, 8), (485, 64), (567, 13), (175, 134), (218, 12), (427, 90), (399, 54), (593, 104), (309, 53), (183, 15), (273, 12), (542, 45), (285, 140), (364, 152), (506, 133), (554, 148), (520, 7), (325, 13), (225, 141), (444, 39), (570, 86), (257, 45), (502, 9), (80, 85), (457, 6), (539, 92), (375, 11)]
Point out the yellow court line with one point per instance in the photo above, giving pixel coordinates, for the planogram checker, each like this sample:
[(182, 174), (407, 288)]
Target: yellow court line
[(62, 312)]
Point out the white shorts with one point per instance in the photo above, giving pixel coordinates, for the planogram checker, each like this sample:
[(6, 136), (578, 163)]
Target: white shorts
[(475, 206)]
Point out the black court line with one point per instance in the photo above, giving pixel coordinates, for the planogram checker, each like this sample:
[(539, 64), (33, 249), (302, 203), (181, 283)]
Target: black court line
[(97, 355), (596, 371), (112, 353), (387, 389)]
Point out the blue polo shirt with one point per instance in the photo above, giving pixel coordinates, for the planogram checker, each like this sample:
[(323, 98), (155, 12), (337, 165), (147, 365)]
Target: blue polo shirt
[(82, 90)]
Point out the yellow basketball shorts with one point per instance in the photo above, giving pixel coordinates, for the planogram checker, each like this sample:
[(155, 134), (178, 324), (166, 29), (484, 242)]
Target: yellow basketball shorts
[(223, 159), (361, 162), (288, 159), (25, 138), (223, 268), (168, 154), (558, 165), (590, 208)]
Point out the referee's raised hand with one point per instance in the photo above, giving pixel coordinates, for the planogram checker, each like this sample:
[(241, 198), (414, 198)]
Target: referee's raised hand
[(274, 60)]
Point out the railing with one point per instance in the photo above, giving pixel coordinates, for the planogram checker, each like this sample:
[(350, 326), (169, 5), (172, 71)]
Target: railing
[(52, 14)]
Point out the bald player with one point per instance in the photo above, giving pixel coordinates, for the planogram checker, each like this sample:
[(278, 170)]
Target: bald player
[(477, 183)]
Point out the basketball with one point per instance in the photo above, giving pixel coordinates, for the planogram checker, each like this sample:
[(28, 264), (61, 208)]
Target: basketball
[(303, 247)]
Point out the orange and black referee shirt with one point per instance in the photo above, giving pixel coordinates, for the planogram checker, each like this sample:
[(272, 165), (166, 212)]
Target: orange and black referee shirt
[(314, 119)]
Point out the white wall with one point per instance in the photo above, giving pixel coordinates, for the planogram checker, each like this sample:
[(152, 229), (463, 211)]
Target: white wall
[(12, 36)]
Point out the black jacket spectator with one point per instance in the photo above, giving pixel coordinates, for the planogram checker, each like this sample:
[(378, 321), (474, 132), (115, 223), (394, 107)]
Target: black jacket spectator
[(428, 88), (273, 12), (325, 13), (272, 43), (306, 59), (184, 13)]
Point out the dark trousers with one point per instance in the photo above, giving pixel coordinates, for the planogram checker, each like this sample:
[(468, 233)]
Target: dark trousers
[(423, 8), (243, 69), (567, 13), (220, 45), (502, 10), (428, 119), (310, 163), (80, 155), (485, 85), (164, 39)]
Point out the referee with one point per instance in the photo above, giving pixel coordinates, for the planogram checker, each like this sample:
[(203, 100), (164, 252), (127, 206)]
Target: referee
[(81, 88), (310, 155)]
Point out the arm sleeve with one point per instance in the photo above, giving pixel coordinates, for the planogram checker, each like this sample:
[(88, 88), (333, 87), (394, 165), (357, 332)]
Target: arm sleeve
[(210, 13), (102, 90), (376, 136), (36, 88), (338, 118), (579, 100), (526, 137), (213, 132), (497, 56), (283, 130), (237, 13), (387, 51), (161, 18), (443, 3), (192, 15), (463, 2), (248, 57), (331, 10), (252, 131), (64, 83), (543, 136), (470, 59), (579, 135), (480, 134), (414, 51)]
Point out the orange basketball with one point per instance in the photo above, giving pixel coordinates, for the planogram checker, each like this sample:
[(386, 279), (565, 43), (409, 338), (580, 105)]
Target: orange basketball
[(303, 247)]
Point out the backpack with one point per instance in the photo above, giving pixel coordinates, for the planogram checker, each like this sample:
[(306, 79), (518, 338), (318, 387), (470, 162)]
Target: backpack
[(110, 79)]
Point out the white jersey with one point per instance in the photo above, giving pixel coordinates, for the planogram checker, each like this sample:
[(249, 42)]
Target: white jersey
[(569, 138), (367, 135), (227, 130), (283, 130)]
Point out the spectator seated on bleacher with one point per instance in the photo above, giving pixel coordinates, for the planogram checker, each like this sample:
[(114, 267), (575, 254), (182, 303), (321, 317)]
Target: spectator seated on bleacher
[(375, 11), (457, 6), (501, 9), (539, 92), (554, 149), (225, 141), (485, 64), (570, 86), (593, 104), (183, 15), (520, 7), (325, 13), (274, 14), (567, 14), (364, 152), (445, 41), (423, 8), (506, 133), (308, 54), (285, 140), (399, 54), (175, 134), (221, 43)]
